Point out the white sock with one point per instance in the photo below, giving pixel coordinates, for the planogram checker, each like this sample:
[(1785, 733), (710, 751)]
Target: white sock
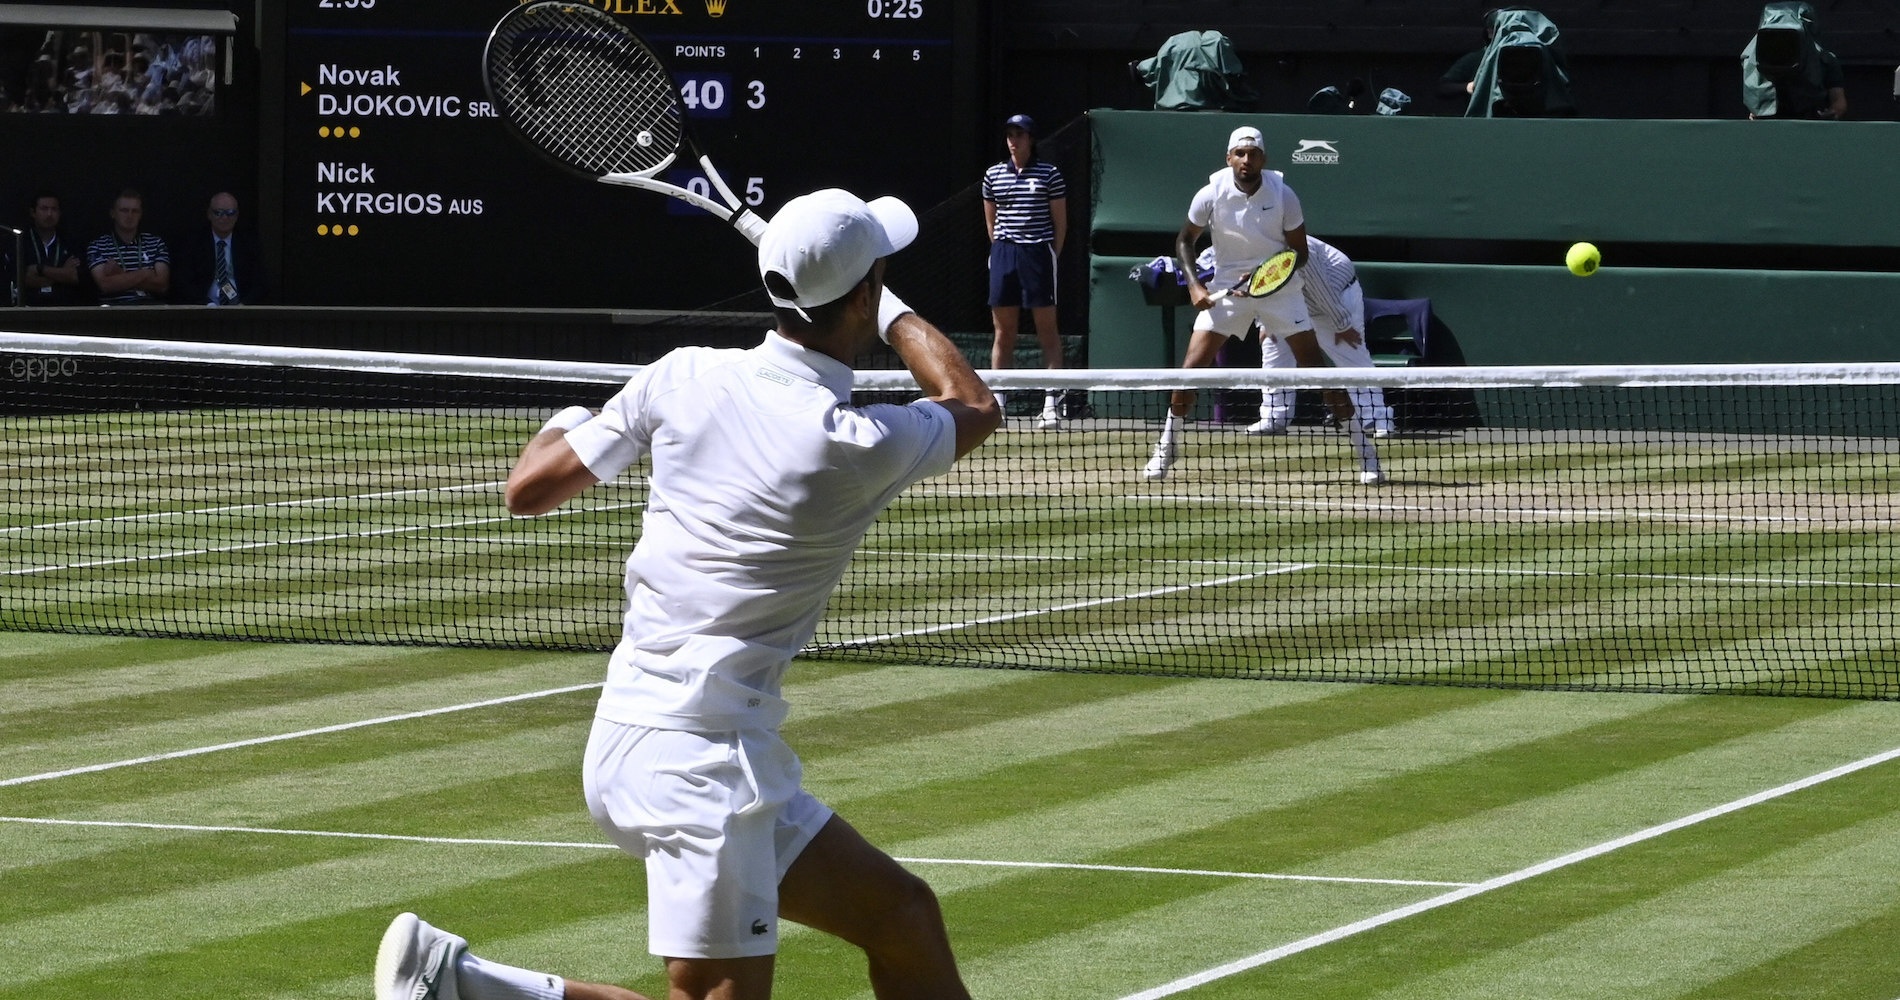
[(1362, 445), (1172, 427), (478, 979)]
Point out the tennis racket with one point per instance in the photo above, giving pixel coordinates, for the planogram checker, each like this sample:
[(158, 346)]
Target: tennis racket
[(1272, 274), (584, 90)]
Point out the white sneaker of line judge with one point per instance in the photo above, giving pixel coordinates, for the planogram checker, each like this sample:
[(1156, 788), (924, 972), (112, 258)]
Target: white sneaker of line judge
[(1162, 459)]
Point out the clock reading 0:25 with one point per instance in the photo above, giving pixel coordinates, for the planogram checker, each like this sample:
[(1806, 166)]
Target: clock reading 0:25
[(911, 10)]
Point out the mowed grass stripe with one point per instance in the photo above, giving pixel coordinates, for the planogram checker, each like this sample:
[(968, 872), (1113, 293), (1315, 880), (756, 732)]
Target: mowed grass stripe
[(256, 677), (190, 789), (1836, 964), (58, 666), (513, 676), (1700, 930), (1046, 720), (1848, 818), (1311, 834), (1121, 820), (1068, 767), (1656, 767), (346, 857), (125, 934)]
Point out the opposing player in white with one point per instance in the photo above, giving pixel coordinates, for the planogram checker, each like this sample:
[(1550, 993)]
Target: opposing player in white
[(1338, 307), (764, 479), (1252, 214)]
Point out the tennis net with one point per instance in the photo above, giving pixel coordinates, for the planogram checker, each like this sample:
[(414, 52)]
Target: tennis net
[(1691, 529)]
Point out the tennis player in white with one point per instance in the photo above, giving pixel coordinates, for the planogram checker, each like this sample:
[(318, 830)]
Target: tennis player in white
[(764, 480), (1252, 215)]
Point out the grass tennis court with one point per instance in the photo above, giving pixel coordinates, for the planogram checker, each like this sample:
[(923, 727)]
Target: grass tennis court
[(1128, 820), (192, 819)]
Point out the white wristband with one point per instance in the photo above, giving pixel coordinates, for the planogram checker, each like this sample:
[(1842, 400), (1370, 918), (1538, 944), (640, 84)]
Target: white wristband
[(889, 307), (568, 419)]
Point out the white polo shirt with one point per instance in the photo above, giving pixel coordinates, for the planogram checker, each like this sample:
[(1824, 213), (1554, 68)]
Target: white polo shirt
[(764, 481), (1246, 228)]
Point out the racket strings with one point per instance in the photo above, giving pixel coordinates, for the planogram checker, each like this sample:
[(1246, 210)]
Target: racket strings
[(583, 88)]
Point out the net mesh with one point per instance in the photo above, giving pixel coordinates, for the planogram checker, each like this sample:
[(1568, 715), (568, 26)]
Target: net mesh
[(1706, 529)]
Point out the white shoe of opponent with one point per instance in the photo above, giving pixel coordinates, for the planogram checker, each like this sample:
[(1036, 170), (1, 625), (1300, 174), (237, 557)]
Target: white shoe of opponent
[(1159, 463), (1372, 478), (1267, 427), (1049, 421), (417, 961)]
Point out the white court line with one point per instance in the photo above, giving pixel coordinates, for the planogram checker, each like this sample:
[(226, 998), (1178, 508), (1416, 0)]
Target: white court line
[(599, 846), (259, 740), (1033, 612), (1458, 895)]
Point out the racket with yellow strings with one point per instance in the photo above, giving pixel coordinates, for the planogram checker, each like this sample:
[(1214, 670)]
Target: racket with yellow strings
[(1271, 276)]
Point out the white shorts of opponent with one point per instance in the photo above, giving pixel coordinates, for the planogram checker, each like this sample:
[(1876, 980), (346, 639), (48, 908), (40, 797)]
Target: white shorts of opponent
[(1281, 314), (719, 818)]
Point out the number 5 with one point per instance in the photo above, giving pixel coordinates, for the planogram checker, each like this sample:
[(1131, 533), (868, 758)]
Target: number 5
[(755, 191)]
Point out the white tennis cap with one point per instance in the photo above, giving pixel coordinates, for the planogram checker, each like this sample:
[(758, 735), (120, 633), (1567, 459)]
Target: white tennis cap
[(1244, 137), (822, 244)]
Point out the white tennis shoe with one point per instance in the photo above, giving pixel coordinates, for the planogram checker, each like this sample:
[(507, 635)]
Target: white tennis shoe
[(417, 961), (1266, 427), (1050, 420), (1159, 463), (1372, 477)]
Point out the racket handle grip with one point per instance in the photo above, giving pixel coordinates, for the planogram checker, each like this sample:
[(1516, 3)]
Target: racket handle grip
[(748, 223)]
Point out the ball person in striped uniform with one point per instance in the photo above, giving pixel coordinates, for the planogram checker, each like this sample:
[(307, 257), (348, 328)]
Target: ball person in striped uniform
[(1026, 212)]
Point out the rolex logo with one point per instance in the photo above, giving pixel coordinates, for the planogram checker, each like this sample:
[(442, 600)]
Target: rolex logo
[(716, 8)]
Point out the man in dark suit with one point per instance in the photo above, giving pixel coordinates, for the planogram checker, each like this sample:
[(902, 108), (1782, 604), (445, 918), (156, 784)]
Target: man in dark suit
[(218, 267)]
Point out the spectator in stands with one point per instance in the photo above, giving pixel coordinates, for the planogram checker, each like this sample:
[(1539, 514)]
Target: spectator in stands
[(52, 269), (1337, 305), (219, 266), (1026, 212), (1786, 73), (1252, 215), (130, 267)]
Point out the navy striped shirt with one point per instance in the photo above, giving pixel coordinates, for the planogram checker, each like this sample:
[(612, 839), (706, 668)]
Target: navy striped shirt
[(1022, 200), (147, 251)]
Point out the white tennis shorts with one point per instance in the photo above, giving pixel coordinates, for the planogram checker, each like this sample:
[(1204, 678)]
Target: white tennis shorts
[(719, 818), (1281, 314)]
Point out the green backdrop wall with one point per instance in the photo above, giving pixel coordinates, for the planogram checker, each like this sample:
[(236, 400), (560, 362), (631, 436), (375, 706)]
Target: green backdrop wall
[(1736, 183)]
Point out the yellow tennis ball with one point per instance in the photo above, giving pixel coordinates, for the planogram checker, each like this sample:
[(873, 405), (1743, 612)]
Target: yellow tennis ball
[(1582, 260)]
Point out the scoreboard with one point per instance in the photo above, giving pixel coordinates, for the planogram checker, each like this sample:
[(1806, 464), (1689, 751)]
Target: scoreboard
[(401, 186)]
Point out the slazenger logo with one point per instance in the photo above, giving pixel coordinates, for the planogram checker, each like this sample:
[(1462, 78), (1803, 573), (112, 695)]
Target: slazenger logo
[(1316, 151)]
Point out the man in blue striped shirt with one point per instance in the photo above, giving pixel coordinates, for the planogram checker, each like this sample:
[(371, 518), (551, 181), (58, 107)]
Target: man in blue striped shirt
[(130, 267), (1026, 209)]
